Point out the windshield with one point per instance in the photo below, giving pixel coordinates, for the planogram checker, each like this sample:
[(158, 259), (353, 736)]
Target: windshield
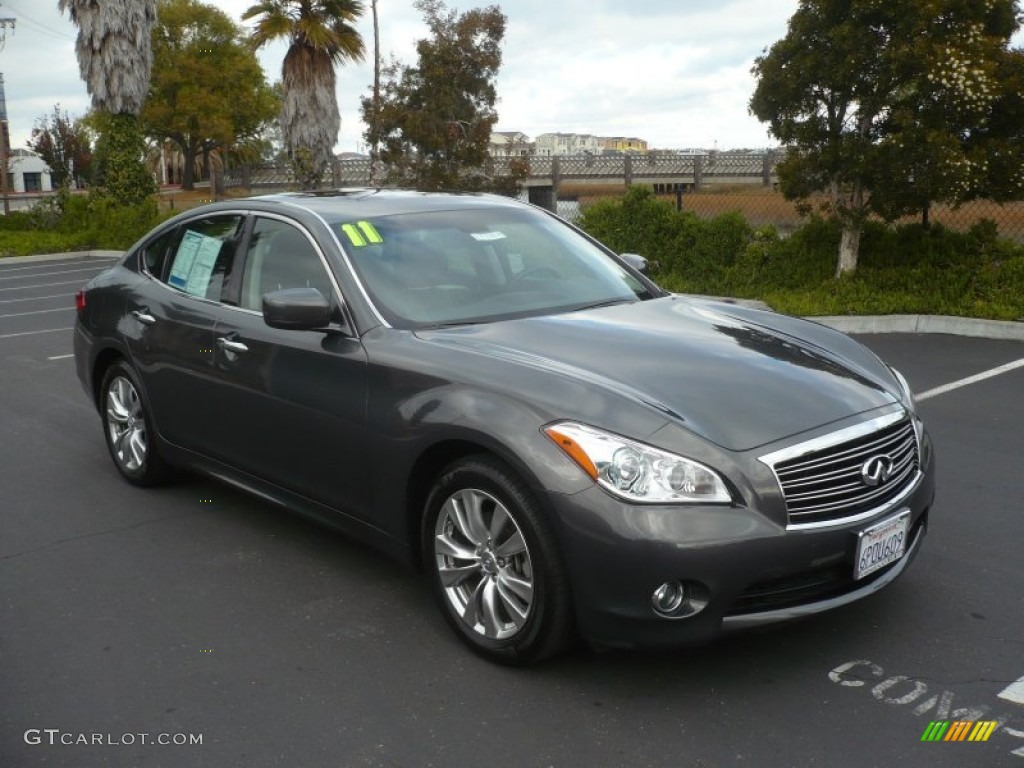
[(478, 265)]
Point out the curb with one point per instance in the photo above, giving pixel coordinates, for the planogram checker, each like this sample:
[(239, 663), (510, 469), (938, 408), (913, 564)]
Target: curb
[(1006, 330), (83, 255)]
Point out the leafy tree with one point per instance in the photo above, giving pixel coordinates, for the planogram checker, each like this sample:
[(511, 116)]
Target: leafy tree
[(321, 36), (114, 58), (207, 89), (433, 121), (65, 145), (887, 107)]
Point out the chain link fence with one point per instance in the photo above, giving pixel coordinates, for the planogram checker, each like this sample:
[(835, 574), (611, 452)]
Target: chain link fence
[(766, 206)]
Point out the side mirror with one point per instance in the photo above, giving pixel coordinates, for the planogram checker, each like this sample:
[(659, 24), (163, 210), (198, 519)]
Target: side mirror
[(636, 261), (296, 309)]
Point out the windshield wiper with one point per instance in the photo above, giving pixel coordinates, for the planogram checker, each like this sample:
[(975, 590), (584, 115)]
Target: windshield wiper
[(605, 303)]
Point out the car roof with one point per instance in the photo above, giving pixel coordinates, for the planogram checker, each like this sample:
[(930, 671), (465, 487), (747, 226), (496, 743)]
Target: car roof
[(366, 202)]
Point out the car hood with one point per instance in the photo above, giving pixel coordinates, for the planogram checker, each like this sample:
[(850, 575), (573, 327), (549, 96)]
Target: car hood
[(736, 377)]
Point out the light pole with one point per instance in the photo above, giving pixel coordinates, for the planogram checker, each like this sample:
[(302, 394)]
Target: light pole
[(5, 147)]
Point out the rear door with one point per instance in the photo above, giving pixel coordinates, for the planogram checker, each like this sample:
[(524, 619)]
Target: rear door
[(171, 318)]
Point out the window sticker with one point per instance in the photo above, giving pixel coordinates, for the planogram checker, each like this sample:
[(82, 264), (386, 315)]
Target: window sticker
[(194, 263), (485, 237), (371, 233), (354, 235), (362, 233)]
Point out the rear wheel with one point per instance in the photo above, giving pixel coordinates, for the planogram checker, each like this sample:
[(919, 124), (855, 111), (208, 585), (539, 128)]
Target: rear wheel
[(127, 425), (494, 565)]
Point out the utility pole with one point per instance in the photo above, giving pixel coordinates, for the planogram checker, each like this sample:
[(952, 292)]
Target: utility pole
[(5, 24), (5, 135), (5, 148), (375, 170)]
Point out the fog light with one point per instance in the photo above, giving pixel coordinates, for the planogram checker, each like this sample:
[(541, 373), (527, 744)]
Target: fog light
[(669, 598), (680, 599)]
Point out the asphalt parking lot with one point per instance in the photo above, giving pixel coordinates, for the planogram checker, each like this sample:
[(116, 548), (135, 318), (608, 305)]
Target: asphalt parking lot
[(140, 616)]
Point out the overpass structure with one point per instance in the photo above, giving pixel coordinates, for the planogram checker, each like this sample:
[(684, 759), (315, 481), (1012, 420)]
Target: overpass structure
[(546, 175)]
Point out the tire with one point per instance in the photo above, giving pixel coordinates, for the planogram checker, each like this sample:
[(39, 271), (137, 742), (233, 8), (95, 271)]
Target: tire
[(127, 427), (493, 564)]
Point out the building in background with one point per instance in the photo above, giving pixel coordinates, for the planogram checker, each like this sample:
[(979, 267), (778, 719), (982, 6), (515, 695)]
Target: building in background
[(510, 144), (623, 144), (568, 144), (27, 173)]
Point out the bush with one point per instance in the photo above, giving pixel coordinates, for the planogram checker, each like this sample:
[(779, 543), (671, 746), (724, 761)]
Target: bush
[(903, 269), (16, 221), (67, 222), (683, 249)]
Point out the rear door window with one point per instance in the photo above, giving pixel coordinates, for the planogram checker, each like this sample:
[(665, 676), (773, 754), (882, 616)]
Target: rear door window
[(202, 260)]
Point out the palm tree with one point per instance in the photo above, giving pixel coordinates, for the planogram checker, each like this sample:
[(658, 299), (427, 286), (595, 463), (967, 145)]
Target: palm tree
[(115, 56), (321, 35)]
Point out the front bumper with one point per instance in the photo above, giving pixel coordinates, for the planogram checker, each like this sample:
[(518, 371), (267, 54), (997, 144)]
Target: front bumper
[(755, 570)]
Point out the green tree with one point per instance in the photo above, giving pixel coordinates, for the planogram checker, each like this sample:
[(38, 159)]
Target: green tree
[(886, 107), (207, 89), (321, 35), (65, 145), (115, 58), (433, 121)]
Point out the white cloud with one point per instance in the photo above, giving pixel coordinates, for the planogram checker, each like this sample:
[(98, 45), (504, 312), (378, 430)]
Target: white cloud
[(675, 72)]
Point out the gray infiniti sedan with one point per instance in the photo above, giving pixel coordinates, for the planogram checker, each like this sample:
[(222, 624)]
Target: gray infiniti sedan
[(476, 387)]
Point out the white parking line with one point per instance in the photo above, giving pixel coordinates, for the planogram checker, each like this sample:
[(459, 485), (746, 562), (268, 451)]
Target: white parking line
[(42, 285), (970, 380), (4, 268), (1014, 692), (38, 312), (60, 272), (61, 357), (33, 333), (40, 298)]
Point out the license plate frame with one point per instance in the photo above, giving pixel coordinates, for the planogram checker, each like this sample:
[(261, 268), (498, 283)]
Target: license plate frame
[(881, 544)]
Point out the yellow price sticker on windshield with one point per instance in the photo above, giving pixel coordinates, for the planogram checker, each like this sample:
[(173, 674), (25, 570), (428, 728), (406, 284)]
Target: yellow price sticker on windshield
[(354, 235), (362, 233), (370, 232)]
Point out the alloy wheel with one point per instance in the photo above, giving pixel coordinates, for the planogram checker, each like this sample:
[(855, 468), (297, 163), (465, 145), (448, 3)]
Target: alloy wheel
[(484, 564), (126, 424)]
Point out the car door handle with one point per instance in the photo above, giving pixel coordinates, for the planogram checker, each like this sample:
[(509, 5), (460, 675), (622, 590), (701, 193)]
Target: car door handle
[(231, 346), (143, 316)]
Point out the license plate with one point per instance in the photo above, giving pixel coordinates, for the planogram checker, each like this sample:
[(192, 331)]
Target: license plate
[(881, 544)]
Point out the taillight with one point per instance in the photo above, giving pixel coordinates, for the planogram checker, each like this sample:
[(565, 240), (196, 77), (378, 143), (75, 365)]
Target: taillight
[(80, 301)]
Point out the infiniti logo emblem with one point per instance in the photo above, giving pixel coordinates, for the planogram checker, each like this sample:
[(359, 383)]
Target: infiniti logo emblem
[(876, 470)]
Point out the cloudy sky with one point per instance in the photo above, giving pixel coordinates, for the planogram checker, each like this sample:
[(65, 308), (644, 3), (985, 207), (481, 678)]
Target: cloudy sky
[(674, 72)]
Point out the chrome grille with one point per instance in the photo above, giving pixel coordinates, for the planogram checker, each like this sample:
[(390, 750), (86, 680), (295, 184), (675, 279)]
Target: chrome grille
[(826, 484)]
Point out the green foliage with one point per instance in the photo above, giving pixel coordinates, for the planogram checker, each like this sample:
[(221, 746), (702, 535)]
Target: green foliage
[(304, 169), (904, 269), (681, 246), (68, 222), (16, 221), (207, 89), (121, 172), (889, 107), (434, 120), (65, 145)]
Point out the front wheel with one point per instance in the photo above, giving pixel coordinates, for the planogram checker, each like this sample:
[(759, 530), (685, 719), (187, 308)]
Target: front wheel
[(494, 565), (128, 425)]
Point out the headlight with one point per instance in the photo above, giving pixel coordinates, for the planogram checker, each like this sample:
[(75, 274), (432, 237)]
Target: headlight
[(637, 472), (908, 395)]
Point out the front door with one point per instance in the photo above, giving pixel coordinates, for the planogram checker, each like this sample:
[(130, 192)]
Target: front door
[(291, 405)]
